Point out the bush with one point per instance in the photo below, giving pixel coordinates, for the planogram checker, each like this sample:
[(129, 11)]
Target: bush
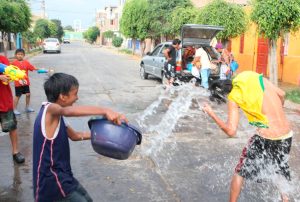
[(117, 41), (127, 51), (294, 96)]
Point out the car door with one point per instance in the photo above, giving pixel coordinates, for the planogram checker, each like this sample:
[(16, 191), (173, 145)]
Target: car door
[(150, 60), (160, 61)]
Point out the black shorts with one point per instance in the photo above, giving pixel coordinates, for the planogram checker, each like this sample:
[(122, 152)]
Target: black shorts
[(21, 90), (8, 121), (263, 158)]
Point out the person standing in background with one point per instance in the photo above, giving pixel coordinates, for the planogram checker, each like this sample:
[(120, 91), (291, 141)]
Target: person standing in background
[(7, 117), (202, 61)]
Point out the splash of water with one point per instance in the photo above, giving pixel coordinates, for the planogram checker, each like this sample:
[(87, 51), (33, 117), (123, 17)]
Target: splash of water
[(159, 129), (178, 100)]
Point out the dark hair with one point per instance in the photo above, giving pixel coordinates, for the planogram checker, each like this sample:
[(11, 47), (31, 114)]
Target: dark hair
[(219, 89), (59, 83), (176, 41), (20, 50)]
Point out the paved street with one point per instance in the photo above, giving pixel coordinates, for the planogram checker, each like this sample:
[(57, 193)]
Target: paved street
[(183, 156)]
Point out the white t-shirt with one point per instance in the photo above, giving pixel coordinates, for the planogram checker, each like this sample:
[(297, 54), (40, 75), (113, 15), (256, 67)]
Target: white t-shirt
[(223, 71), (204, 59), (195, 72)]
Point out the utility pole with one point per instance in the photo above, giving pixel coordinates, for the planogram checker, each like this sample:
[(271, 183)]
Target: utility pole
[(43, 8)]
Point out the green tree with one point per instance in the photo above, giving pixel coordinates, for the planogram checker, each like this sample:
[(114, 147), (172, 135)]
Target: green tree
[(69, 28), (274, 18), (91, 34), (159, 12), (42, 28), (30, 37), (180, 16), (117, 41), (59, 32), (135, 22), (53, 28), (108, 34), (229, 15), (15, 17)]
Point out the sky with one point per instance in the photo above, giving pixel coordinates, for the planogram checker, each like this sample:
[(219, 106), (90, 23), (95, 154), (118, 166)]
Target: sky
[(69, 10)]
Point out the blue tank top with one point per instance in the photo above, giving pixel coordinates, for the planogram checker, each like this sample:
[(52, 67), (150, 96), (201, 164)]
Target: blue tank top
[(52, 175)]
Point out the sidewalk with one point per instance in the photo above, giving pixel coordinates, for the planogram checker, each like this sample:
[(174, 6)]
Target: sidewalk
[(288, 87)]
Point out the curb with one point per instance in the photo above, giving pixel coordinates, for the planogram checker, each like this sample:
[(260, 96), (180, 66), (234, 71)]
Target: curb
[(116, 50)]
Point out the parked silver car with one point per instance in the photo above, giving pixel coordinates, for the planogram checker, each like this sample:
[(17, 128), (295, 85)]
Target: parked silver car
[(51, 45), (191, 35)]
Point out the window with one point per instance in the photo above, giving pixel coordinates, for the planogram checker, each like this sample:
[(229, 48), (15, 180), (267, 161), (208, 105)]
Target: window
[(156, 50), (286, 43), (161, 53), (242, 38), (111, 22)]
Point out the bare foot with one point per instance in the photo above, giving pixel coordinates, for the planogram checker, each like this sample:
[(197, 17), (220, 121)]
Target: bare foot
[(284, 198)]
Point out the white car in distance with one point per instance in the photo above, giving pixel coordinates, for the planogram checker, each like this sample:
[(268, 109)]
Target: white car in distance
[(51, 45)]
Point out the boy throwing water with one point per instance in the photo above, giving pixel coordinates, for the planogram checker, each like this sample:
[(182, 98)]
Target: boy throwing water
[(268, 150), (53, 179)]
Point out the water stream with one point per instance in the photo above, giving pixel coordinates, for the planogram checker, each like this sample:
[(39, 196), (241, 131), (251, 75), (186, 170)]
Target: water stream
[(164, 116)]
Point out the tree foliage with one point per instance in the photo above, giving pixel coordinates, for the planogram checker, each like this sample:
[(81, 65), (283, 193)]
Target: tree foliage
[(229, 15), (91, 34), (69, 28), (135, 22), (15, 16), (117, 41), (42, 28), (159, 12), (30, 37), (108, 34), (182, 16), (59, 32), (275, 17)]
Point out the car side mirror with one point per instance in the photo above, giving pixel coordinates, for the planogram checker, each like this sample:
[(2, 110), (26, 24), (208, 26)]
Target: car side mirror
[(148, 53)]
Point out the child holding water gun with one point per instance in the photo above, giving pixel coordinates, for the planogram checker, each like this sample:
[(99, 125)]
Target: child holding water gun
[(22, 86), (7, 118)]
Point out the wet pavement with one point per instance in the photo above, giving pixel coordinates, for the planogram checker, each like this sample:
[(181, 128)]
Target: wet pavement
[(183, 156)]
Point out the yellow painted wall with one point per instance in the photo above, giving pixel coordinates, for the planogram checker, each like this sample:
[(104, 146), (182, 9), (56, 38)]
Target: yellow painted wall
[(289, 72), (291, 67), (247, 59)]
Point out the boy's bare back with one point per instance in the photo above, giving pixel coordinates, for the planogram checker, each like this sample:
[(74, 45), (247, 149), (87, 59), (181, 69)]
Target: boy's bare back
[(273, 108)]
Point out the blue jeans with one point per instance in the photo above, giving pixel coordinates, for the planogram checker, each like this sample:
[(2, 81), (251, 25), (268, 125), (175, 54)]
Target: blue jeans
[(204, 77), (78, 195)]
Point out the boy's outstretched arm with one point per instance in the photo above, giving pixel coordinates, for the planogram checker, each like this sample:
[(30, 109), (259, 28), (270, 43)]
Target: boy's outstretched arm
[(230, 127), (78, 136), (56, 110)]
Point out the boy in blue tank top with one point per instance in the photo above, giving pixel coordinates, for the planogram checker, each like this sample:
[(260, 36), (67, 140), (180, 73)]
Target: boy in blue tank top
[(53, 179)]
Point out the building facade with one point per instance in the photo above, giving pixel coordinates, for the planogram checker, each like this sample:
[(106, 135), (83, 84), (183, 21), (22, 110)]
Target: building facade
[(251, 51), (108, 19)]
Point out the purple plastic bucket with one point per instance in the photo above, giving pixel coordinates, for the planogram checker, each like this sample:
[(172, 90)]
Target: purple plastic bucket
[(114, 141)]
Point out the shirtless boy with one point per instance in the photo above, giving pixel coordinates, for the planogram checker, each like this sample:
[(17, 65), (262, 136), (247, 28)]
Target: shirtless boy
[(268, 150)]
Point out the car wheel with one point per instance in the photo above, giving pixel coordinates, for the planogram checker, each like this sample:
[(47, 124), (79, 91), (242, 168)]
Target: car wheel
[(143, 73), (44, 51), (58, 51)]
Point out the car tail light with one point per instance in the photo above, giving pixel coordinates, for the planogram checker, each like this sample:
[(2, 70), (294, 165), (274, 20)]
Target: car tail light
[(178, 66), (44, 44), (57, 44)]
